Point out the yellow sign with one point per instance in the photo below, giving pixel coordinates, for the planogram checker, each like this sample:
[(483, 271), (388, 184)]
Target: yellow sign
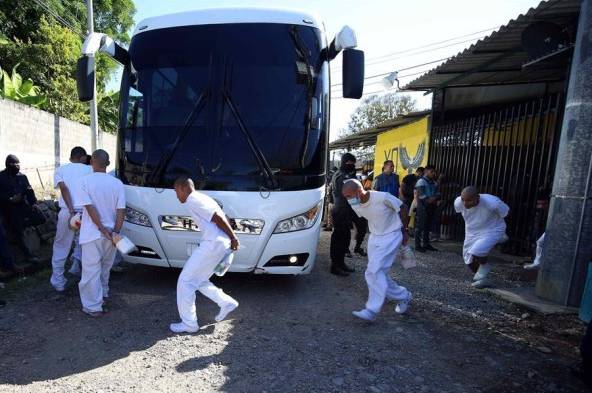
[(406, 146)]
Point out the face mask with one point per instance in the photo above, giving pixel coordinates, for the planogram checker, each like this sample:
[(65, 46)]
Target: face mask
[(354, 201), (12, 170), (349, 167)]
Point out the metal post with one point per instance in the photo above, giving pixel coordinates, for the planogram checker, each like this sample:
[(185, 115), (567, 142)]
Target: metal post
[(568, 240), (94, 121)]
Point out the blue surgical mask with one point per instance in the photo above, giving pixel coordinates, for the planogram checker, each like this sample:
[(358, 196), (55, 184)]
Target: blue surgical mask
[(354, 201)]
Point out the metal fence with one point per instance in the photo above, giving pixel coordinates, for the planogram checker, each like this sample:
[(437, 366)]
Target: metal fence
[(508, 152)]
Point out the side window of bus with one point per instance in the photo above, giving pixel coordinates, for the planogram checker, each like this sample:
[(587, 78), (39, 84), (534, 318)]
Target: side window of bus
[(133, 136), (135, 111)]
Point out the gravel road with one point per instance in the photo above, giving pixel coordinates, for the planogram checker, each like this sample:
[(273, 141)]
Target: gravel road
[(290, 334)]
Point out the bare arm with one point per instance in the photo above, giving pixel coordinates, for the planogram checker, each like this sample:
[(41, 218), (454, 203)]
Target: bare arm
[(96, 218), (404, 214), (65, 191), (224, 225), (119, 220)]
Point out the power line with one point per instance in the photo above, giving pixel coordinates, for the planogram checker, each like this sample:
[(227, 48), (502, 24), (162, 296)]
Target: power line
[(58, 18), (426, 50), (401, 69), (433, 43), (380, 81), (372, 61)]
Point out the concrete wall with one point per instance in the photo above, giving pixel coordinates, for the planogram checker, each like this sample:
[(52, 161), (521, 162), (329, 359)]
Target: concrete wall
[(42, 141)]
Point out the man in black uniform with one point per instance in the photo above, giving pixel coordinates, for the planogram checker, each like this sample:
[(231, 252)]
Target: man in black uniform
[(342, 216), (408, 186), (17, 199)]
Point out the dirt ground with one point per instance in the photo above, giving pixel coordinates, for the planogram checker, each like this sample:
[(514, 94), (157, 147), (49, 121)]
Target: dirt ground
[(290, 334)]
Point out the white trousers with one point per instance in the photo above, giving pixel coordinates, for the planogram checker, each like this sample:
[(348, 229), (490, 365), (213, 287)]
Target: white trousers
[(77, 257), (195, 276), (97, 259), (382, 251), (480, 245), (61, 248)]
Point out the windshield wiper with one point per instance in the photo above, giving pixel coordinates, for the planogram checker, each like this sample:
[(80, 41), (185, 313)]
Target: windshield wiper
[(263, 165), (301, 52), (168, 155)]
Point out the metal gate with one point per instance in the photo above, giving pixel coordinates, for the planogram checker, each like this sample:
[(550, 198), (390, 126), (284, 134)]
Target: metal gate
[(508, 152)]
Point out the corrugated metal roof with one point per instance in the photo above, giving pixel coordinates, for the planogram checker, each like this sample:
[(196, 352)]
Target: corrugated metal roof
[(368, 137), (498, 58)]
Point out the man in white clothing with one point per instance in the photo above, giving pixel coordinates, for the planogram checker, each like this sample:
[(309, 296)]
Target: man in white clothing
[(103, 198), (67, 179), (387, 220), (484, 228), (217, 240)]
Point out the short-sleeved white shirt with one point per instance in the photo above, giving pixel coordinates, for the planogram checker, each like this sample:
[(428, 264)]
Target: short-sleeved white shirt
[(487, 216), (107, 194), (202, 209), (71, 174), (382, 212)]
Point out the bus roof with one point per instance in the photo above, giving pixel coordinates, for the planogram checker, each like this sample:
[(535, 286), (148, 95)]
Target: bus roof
[(229, 15)]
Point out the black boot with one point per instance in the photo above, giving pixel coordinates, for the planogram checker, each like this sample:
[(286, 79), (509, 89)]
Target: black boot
[(360, 251), (338, 271)]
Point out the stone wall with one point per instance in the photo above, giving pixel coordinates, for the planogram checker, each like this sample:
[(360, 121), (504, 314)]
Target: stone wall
[(42, 141)]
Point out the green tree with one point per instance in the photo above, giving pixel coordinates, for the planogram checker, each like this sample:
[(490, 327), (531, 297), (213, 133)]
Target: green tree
[(375, 110), (48, 50), (108, 111)]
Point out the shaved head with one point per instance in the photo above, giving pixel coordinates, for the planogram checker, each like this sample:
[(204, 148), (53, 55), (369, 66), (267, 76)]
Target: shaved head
[(352, 189), (470, 191), (184, 182), (101, 158), (183, 188), (351, 185), (470, 197)]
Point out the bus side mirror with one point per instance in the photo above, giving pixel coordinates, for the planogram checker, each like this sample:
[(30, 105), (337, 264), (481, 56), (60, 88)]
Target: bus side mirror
[(85, 76), (353, 73)]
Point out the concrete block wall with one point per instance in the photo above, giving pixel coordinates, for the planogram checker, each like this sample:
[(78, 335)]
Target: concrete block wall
[(42, 141)]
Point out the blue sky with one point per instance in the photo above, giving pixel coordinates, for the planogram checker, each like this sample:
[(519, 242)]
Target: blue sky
[(382, 27)]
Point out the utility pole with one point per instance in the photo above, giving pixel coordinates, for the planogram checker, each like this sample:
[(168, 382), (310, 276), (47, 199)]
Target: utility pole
[(94, 121), (568, 239)]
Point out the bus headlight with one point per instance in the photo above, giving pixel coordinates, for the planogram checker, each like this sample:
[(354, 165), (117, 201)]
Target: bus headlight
[(136, 217), (302, 221)]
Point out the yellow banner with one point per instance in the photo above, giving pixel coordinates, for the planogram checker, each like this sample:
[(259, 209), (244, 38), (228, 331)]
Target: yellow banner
[(406, 146)]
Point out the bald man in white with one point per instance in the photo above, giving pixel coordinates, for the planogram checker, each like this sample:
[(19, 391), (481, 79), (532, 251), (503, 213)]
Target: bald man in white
[(387, 220), (484, 228), (217, 240), (103, 198)]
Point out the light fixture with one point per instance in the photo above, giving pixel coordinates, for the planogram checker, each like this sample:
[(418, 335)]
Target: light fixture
[(388, 82)]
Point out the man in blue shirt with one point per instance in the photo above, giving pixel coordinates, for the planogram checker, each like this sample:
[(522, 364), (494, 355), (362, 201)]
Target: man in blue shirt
[(427, 203), (388, 180)]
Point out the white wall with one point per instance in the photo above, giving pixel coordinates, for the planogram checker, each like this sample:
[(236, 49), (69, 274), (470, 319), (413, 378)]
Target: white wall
[(42, 142)]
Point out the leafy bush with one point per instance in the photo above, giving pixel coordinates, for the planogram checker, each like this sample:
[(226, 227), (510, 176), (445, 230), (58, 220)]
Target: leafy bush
[(14, 88)]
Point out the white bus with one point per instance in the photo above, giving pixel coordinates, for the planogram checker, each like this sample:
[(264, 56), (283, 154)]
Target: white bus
[(238, 100)]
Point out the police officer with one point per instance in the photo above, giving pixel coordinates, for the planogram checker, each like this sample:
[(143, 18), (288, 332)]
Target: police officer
[(342, 216)]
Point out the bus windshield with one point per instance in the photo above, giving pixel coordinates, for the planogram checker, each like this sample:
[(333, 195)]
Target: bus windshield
[(237, 107)]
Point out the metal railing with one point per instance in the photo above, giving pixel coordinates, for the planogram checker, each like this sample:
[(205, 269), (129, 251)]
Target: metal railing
[(508, 152)]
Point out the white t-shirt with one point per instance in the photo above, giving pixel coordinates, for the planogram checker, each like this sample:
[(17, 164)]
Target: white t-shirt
[(202, 209), (382, 213), (71, 174), (106, 194), (487, 216)]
